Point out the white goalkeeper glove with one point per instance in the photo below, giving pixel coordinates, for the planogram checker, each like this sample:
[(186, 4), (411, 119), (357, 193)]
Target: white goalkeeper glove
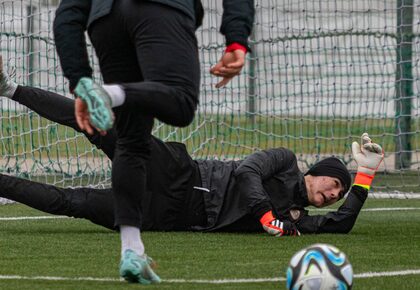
[(368, 156), (7, 86)]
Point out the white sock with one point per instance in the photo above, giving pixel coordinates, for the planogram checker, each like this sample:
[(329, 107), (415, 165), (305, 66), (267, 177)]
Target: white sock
[(116, 93), (130, 239)]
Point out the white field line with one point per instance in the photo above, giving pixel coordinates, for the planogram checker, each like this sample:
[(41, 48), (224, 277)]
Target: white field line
[(18, 218), (373, 209), (394, 195), (199, 281)]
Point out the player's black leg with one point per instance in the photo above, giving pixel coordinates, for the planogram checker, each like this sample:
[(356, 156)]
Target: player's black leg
[(60, 109), (95, 205), (164, 83), (133, 32)]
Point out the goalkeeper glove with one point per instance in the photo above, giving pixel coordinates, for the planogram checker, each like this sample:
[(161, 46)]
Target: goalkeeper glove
[(7, 86), (276, 227), (368, 157)]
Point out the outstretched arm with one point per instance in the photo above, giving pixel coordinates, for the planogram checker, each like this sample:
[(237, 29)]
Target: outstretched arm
[(368, 156), (69, 28), (51, 106), (60, 109), (340, 221)]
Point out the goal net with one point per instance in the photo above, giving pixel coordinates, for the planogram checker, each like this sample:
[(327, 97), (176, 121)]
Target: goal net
[(320, 74)]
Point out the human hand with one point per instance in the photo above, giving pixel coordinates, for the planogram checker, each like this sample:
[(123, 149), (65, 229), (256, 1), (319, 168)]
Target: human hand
[(82, 116), (368, 156), (276, 227), (229, 66)]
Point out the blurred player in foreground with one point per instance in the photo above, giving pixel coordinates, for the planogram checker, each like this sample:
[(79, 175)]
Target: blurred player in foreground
[(148, 57)]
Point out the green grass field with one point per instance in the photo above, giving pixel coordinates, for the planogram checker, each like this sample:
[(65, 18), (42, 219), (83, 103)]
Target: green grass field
[(77, 251)]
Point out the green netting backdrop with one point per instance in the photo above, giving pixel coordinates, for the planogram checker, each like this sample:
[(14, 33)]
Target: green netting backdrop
[(320, 74)]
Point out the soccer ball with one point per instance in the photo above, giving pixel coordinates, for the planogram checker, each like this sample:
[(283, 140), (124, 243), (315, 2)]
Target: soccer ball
[(319, 267)]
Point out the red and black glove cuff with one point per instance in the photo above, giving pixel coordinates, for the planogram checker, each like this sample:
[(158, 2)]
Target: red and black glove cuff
[(267, 218)]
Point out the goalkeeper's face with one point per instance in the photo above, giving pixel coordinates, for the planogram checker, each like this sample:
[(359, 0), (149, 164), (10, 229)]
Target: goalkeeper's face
[(323, 190)]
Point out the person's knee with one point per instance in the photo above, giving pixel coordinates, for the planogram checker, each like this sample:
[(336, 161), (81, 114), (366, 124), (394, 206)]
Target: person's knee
[(187, 113), (186, 119)]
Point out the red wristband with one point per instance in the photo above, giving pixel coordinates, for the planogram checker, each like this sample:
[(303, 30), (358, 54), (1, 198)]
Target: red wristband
[(235, 46)]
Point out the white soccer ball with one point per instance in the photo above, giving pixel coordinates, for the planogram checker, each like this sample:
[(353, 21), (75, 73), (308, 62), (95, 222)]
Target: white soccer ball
[(319, 267)]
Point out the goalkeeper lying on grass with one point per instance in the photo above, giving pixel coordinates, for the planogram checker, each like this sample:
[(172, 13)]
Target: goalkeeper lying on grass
[(265, 191)]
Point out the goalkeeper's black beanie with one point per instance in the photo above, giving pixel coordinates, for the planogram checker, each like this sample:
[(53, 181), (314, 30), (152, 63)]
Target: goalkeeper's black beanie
[(332, 167)]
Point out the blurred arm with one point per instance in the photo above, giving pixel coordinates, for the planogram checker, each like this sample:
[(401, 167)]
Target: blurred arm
[(340, 221), (70, 24), (237, 21)]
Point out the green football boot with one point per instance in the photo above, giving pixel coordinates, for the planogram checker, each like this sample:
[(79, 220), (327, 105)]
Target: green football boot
[(98, 103), (138, 269)]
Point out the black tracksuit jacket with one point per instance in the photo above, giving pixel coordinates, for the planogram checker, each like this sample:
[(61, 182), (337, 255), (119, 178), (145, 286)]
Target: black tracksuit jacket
[(182, 193), (237, 193)]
